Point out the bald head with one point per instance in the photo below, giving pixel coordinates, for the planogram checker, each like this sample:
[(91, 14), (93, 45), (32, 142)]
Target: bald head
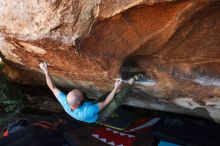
[(75, 97)]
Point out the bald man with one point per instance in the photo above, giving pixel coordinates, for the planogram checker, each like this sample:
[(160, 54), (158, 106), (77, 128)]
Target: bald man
[(74, 104)]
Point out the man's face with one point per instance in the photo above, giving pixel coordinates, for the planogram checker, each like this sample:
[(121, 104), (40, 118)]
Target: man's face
[(75, 98)]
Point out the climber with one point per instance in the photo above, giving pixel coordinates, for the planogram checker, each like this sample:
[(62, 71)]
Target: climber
[(74, 104)]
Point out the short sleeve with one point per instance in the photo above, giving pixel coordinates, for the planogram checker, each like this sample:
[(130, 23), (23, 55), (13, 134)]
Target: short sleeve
[(61, 97), (92, 110)]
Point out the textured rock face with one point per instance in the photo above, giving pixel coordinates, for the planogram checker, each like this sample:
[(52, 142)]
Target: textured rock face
[(87, 43)]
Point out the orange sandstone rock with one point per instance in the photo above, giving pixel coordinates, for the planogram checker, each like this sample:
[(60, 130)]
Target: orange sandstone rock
[(87, 43)]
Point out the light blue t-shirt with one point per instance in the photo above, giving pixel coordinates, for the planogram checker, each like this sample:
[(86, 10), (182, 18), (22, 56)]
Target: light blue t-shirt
[(87, 112)]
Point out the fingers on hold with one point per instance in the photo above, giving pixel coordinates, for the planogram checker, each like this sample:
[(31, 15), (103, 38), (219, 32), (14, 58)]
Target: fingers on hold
[(45, 64)]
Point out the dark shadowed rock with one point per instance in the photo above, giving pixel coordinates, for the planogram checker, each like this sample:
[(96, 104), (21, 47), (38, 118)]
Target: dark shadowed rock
[(87, 44)]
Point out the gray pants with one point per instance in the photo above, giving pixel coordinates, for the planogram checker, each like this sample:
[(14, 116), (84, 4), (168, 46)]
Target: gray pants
[(114, 104)]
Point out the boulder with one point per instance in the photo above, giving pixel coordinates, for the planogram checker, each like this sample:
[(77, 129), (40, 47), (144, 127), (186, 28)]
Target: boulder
[(88, 44)]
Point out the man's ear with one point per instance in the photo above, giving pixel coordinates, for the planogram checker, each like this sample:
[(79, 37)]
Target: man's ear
[(72, 106), (78, 103)]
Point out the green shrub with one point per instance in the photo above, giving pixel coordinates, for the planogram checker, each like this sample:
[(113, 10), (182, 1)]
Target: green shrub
[(10, 97)]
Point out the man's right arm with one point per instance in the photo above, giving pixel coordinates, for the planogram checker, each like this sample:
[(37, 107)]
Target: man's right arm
[(109, 98)]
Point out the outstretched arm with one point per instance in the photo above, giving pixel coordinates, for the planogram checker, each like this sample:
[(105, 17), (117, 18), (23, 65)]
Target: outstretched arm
[(50, 83), (109, 98)]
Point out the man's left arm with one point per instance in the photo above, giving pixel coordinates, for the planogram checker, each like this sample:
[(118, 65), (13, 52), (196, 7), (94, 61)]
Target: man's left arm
[(57, 93)]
